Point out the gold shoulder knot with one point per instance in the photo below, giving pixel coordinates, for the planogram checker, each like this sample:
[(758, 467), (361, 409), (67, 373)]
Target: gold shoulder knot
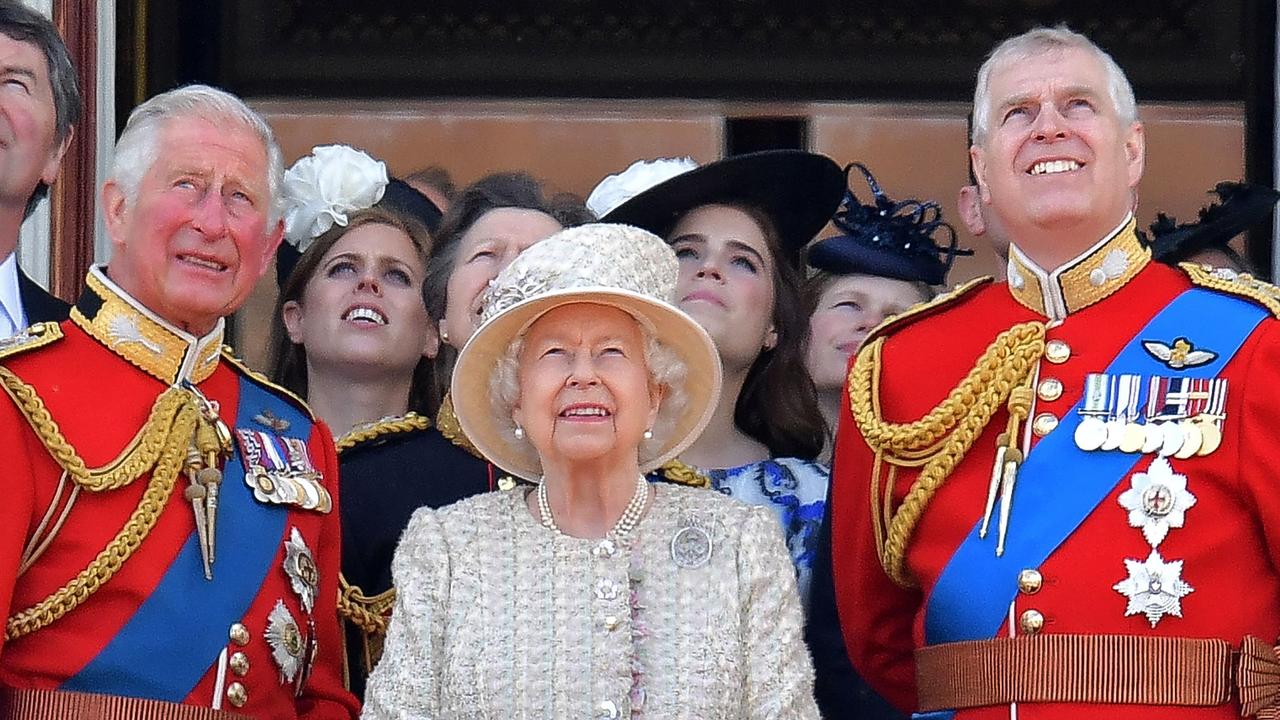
[(938, 441), (924, 309), (36, 336), (369, 613), (682, 473), (1231, 282)]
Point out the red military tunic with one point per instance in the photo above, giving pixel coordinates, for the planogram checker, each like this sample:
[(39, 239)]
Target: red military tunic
[(99, 383), (1093, 307)]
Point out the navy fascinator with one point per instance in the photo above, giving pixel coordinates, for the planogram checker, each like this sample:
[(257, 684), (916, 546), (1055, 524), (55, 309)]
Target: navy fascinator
[(893, 239)]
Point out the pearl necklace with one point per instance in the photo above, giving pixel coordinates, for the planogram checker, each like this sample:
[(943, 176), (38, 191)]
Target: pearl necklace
[(630, 515)]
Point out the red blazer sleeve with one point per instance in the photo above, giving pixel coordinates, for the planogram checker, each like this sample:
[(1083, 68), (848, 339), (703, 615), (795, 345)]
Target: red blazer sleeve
[(325, 697), (877, 616), (17, 487)]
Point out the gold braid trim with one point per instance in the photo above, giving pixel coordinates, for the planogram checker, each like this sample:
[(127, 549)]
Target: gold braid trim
[(408, 422), (683, 473), (448, 425), (1240, 284), (137, 457), (941, 439), (122, 546), (370, 614)]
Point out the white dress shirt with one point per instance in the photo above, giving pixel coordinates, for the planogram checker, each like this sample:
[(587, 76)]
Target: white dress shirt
[(12, 317)]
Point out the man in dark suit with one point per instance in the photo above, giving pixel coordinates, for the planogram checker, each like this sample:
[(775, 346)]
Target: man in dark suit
[(39, 108)]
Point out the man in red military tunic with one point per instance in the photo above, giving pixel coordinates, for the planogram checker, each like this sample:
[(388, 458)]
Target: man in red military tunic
[(1054, 497), (169, 538)]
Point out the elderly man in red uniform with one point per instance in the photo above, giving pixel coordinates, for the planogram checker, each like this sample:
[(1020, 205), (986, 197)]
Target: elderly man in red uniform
[(168, 538), (1054, 497)]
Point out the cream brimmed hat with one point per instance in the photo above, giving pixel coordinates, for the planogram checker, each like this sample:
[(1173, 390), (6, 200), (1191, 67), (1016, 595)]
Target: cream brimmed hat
[(614, 265)]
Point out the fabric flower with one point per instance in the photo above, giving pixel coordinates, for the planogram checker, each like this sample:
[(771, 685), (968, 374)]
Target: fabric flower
[(1157, 500), (321, 189), (640, 176)]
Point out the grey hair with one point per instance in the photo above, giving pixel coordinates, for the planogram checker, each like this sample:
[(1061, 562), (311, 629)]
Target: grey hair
[(666, 370), (1040, 41), (139, 143)]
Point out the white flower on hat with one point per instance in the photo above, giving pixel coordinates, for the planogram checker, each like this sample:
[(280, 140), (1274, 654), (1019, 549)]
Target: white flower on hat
[(642, 175), (322, 188)]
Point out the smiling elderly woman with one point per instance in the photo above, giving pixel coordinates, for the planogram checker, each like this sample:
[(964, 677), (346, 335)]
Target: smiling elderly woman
[(597, 594)]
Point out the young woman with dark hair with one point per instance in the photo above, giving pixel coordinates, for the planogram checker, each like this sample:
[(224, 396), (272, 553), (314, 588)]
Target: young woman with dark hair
[(737, 226)]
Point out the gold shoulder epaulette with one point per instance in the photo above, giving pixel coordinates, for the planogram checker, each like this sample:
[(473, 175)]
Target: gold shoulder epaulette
[(925, 309), (682, 473), (1234, 283), (261, 379), (36, 336)]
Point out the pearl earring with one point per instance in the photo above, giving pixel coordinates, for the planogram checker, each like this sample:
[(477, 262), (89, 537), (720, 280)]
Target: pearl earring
[(444, 335), (648, 434), (519, 433)]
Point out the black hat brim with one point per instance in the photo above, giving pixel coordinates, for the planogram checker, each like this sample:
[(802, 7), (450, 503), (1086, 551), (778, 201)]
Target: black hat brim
[(798, 191)]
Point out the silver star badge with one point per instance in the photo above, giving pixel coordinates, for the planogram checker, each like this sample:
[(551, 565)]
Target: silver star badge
[(286, 641), (1155, 588), (300, 566), (1157, 500)]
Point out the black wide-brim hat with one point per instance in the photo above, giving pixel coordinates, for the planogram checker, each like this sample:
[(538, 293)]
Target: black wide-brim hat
[(1243, 206), (798, 191), (399, 196)]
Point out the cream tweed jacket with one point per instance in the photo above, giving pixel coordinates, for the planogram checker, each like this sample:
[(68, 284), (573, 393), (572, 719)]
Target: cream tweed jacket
[(499, 617)]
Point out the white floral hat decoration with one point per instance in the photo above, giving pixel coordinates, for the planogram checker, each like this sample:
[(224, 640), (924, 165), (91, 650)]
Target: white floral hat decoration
[(322, 189), (638, 177), (613, 265)]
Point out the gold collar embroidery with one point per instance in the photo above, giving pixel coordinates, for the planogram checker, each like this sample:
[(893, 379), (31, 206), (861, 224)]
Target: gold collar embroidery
[(1092, 276), (448, 425), (392, 425), (133, 332)]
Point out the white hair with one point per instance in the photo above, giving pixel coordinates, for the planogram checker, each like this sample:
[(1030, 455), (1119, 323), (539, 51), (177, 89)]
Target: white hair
[(139, 143), (1041, 41), (666, 370)]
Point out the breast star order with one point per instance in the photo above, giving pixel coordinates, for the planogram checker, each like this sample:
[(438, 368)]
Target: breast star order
[(1157, 500), (1155, 588)]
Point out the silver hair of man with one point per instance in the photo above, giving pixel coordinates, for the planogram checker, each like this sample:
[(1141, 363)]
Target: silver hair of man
[(139, 144), (666, 369), (1041, 41)]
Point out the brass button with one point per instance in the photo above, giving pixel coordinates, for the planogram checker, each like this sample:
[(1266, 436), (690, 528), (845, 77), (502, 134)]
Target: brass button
[(1050, 389), (239, 664), (237, 695), (1031, 622), (607, 709), (1030, 581), (506, 482), (1044, 424), (1057, 351), (611, 622), (239, 634)]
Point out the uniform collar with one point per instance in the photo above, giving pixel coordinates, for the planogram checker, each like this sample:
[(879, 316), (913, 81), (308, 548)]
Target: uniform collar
[(1086, 279), (118, 321)]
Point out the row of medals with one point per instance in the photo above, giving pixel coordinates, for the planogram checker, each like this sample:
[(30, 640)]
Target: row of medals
[(1183, 416)]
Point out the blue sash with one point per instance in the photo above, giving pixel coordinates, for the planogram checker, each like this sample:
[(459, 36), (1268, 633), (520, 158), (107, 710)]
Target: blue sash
[(1059, 485), (177, 633)]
